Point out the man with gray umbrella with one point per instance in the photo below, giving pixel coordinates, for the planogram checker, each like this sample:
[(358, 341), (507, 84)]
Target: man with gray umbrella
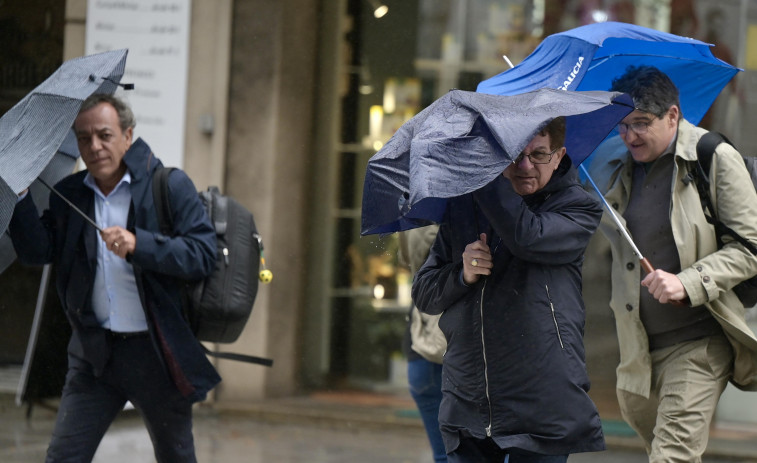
[(505, 273), (121, 288)]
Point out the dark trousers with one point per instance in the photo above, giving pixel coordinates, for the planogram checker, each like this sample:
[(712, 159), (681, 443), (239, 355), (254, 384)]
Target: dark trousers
[(425, 379), (487, 451), (89, 405)]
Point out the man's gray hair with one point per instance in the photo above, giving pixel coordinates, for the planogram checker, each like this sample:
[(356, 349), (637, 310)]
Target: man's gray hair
[(126, 118)]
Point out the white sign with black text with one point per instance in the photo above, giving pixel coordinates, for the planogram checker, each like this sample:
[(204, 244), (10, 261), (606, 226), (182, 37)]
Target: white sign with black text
[(156, 33)]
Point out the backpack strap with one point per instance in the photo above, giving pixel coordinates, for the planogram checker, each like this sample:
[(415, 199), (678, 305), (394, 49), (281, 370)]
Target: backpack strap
[(705, 150), (162, 200), (219, 210), (238, 357)]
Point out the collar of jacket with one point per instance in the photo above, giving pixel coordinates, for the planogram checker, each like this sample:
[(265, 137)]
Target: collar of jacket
[(564, 176), (686, 142), (140, 160)]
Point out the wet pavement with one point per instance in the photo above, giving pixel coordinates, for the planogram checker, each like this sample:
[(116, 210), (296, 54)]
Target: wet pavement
[(334, 428)]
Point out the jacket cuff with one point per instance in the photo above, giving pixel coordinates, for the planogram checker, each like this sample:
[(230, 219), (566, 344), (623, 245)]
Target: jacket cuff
[(462, 280), (699, 285)]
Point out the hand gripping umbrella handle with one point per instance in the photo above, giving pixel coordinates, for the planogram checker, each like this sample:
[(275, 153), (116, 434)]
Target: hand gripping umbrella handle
[(643, 261)]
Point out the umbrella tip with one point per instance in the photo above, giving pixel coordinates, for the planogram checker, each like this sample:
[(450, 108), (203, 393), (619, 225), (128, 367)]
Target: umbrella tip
[(125, 86)]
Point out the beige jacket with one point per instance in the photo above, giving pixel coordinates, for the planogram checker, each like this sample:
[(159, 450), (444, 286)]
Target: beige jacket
[(708, 274), (427, 339)]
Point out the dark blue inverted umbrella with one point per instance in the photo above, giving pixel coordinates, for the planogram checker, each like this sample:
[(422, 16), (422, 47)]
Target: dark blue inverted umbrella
[(589, 57), (463, 140)]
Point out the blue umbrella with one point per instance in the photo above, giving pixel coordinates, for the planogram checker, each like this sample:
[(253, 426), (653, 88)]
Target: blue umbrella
[(463, 140), (589, 57)]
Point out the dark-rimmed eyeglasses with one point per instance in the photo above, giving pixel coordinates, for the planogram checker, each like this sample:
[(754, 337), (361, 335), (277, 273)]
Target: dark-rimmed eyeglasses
[(537, 157), (639, 128)]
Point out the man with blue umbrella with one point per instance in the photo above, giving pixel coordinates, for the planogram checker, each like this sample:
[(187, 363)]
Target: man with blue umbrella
[(681, 327), (505, 273)]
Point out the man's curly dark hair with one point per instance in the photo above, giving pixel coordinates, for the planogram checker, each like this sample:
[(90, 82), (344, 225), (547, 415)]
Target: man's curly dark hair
[(651, 89)]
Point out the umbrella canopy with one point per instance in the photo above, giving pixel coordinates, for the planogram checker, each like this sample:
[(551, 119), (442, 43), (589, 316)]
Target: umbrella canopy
[(61, 165), (590, 57), (33, 130), (463, 140)]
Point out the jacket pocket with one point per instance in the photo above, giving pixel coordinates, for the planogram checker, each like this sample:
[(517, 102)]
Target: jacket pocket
[(554, 317)]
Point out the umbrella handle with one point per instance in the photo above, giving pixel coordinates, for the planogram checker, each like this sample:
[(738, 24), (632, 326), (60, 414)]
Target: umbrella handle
[(646, 265)]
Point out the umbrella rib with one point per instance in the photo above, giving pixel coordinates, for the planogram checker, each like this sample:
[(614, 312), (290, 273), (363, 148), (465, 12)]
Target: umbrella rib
[(600, 61)]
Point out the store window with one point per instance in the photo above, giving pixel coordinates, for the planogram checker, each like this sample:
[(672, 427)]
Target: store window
[(395, 66)]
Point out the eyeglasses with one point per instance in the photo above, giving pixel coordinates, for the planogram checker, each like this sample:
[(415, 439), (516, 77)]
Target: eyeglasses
[(537, 157), (640, 128)]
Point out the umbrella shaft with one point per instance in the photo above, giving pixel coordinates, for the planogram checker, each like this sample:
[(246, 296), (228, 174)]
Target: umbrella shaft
[(616, 220), (645, 264), (85, 216)]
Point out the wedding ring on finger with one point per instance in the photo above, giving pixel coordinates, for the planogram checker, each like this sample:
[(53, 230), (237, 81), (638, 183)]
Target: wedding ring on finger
[(474, 262), (115, 245)]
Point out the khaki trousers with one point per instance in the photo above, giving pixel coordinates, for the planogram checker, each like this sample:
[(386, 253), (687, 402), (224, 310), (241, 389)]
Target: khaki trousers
[(687, 381)]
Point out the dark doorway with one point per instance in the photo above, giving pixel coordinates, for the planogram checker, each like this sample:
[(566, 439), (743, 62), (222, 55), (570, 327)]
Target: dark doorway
[(31, 32)]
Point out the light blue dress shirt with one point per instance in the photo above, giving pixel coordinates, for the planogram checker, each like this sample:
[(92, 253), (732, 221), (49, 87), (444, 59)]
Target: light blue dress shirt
[(115, 298)]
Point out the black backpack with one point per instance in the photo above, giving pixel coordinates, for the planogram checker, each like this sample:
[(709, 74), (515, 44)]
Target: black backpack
[(746, 290), (218, 307)]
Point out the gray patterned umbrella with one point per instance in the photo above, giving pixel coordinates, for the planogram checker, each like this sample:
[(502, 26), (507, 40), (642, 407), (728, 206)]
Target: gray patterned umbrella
[(32, 131), (61, 165)]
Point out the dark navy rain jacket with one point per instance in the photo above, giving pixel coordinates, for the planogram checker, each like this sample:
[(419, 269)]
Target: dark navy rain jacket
[(515, 368), (161, 265)]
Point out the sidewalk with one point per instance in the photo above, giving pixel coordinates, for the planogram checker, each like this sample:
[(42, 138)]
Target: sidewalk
[(320, 427), (366, 410)]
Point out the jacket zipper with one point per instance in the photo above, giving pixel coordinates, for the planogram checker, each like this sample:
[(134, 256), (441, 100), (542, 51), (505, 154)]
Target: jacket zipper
[(486, 363), (483, 349), (554, 318)]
